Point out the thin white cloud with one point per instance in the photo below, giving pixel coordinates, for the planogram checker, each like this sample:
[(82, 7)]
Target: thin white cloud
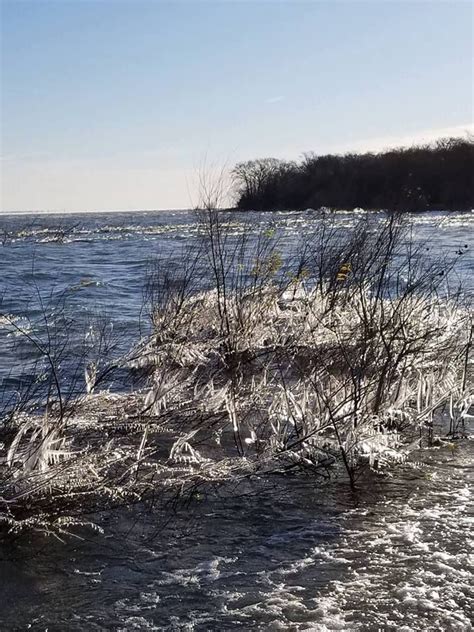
[(277, 99), (421, 137), (30, 156)]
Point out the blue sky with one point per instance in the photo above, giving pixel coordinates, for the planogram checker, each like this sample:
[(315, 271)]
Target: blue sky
[(117, 104)]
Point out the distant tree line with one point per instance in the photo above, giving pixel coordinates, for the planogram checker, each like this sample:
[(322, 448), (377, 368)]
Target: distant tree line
[(429, 177)]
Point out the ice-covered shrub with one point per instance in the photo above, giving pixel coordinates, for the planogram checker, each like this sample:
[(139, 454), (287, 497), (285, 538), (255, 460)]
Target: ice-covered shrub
[(347, 350)]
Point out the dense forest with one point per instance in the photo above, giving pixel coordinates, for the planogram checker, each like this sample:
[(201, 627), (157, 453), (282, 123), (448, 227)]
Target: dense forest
[(439, 176)]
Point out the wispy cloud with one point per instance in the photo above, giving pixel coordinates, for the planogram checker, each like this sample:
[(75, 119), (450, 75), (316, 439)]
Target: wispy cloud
[(274, 99), (33, 156), (420, 137)]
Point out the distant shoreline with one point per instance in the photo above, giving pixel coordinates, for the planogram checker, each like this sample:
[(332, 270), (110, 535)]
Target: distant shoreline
[(95, 212), (425, 177), (224, 210)]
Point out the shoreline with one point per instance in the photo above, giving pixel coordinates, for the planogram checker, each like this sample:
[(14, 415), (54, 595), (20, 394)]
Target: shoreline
[(227, 210)]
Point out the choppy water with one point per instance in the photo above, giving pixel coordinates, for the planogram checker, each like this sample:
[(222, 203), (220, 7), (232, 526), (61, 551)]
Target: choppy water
[(395, 556)]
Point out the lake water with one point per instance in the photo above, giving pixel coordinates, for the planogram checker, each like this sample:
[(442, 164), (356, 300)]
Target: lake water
[(279, 554)]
